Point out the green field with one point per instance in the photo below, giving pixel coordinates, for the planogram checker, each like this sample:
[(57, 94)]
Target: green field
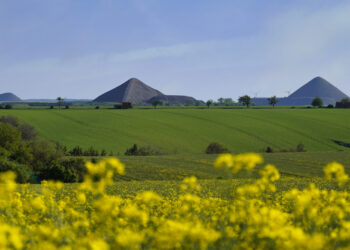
[(183, 134), (189, 131)]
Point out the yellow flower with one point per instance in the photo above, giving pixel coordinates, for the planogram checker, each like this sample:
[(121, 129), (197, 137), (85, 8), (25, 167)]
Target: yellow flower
[(129, 239), (336, 169), (116, 164), (238, 162)]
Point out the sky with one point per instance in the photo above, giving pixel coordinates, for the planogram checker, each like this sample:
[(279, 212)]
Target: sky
[(201, 48)]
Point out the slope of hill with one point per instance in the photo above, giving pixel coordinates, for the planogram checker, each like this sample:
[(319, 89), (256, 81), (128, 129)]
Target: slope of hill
[(133, 90), (185, 131), (9, 97)]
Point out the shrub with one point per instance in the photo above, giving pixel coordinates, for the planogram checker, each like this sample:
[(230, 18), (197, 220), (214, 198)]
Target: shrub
[(317, 102), (269, 150), (1, 106), (330, 106), (51, 107), (28, 132), (76, 151), (97, 107), (44, 155), (142, 151), (67, 107), (10, 137), (68, 170), (9, 119), (76, 169), (127, 105), (24, 173), (103, 152), (8, 106), (34, 159), (62, 148), (216, 148), (300, 148), (91, 152), (53, 172)]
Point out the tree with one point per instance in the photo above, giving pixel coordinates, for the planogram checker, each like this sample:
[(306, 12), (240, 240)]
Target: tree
[(272, 100), (28, 132), (317, 102), (245, 100), (103, 152), (221, 101), (216, 148), (346, 99), (156, 103), (228, 101), (209, 102), (60, 101), (8, 106)]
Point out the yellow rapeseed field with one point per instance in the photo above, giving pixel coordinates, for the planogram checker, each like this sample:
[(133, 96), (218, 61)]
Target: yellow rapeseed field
[(256, 217)]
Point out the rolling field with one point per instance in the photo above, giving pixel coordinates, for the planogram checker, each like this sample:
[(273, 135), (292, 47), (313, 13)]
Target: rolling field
[(189, 131), (177, 167)]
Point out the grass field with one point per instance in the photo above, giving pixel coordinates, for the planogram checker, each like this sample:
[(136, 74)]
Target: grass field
[(189, 131)]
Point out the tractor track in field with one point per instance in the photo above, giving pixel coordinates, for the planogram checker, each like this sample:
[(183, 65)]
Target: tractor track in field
[(227, 126), (108, 130), (170, 125), (293, 130)]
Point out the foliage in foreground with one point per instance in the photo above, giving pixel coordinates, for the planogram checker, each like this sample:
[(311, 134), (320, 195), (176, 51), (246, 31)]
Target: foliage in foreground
[(256, 216), (34, 159)]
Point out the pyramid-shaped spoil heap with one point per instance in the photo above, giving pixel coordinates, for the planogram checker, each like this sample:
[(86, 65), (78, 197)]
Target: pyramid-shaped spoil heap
[(133, 90), (316, 87), (9, 97)]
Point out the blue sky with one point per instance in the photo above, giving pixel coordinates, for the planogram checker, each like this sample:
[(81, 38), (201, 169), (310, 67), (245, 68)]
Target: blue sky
[(202, 48)]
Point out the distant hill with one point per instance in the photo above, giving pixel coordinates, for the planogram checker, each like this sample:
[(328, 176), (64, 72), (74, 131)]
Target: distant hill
[(173, 99), (305, 94), (9, 97), (137, 92), (316, 87), (55, 100)]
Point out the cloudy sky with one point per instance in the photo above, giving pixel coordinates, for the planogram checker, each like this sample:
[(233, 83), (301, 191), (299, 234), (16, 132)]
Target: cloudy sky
[(202, 48)]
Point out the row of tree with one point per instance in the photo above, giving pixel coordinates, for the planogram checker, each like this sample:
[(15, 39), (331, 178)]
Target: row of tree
[(246, 101), (243, 100)]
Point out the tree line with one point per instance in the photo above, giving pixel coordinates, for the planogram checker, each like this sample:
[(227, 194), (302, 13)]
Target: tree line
[(244, 100)]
